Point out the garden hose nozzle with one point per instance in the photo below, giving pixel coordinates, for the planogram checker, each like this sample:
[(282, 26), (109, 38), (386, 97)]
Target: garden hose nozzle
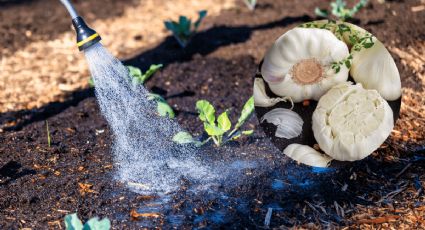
[(86, 36)]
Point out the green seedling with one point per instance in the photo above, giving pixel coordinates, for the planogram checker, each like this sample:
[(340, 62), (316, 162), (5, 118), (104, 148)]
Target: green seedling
[(184, 29), (49, 140), (218, 129), (72, 222), (163, 108), (251, 4), (340, 11), (139, 78), (136, 75)]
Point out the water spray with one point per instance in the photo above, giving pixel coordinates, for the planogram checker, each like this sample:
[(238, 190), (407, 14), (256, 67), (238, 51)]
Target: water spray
[(145, 157), (86, 36)]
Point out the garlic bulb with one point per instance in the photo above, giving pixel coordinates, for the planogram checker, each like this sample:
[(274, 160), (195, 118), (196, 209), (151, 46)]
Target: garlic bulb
[(298, 64), (375, 69), (307, 155), (351, 122), (289, 123), (260, 96)]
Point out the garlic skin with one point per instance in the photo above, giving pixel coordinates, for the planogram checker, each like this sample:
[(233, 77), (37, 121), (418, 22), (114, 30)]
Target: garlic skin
[(260, 96), (289, 123), (375, 69), (298, 64), (307, 155), (351, 122)]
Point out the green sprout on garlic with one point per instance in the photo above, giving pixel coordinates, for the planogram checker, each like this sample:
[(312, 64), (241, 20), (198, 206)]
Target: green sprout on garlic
[(218, 129), (184, 29), (340, 11)]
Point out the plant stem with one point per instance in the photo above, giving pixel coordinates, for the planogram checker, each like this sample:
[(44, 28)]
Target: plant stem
[(216, 142), (48, 134), (232, 132)]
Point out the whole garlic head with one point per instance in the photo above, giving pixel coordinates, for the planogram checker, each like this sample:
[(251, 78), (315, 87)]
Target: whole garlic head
[(351, 122), (298, 64)]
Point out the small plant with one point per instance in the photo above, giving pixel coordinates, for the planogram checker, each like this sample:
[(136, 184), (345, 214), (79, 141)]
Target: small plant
[(183, 30), (163, 108), (217, 129), (72, 222), (251, 4), (49, 140), (339, 10), (139, 78)]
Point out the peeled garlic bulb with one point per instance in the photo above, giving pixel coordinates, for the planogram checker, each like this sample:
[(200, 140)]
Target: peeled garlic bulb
[(307, 155), (298, 64), (375, 69), (351, 122), (289, 123), (260, 96)]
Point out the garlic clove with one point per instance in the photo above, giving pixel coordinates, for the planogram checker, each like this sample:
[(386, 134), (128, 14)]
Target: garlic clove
[(307, 155), (298, 64), (351, 122), (260, 96), (375, 69), (289, 123)]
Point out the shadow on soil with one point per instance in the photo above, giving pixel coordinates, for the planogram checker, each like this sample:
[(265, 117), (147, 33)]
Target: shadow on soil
[(167, 52), (47, 23)]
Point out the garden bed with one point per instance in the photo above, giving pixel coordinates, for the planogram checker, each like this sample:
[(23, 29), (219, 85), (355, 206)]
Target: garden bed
[(39, 185)]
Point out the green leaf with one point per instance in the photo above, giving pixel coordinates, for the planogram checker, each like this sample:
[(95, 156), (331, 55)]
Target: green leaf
[(202, 15), (206, 111), (184, 26), (247, 110), (223, 122), (248, 132), (183, 138), (171, 26), (91, 82), (134, 72), (368, 45), (213, 130), (152, 69), (348, 64), (96, 224), (321, 12), (163, 108), (72, 222)]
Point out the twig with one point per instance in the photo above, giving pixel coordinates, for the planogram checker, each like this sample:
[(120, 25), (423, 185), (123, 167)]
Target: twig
[(403, 170), (268, 217)]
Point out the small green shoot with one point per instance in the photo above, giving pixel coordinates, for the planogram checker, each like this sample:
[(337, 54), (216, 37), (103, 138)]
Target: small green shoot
[(49, 140), (163, 108), (139, 78), (340, 11), (251, 4), (184, 29), (72, 222), (217, 128)]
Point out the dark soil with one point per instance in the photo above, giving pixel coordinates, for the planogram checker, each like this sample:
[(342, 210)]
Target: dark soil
[(39, 185)]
